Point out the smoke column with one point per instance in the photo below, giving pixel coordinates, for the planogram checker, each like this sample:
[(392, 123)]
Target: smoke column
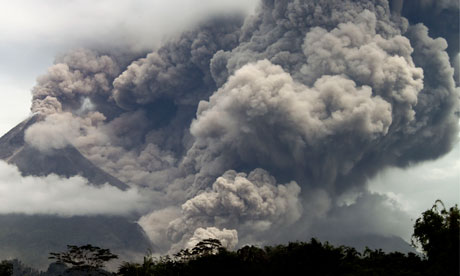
[(243, 129)]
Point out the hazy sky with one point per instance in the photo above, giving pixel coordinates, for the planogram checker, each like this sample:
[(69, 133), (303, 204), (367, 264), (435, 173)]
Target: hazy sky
[(33, 32)]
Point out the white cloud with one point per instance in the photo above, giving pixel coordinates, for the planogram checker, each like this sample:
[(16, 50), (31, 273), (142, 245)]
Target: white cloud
[(63, 196), (67, 22)]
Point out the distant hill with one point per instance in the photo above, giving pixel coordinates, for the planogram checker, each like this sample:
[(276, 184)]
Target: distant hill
[(31, 238), (373, 241)]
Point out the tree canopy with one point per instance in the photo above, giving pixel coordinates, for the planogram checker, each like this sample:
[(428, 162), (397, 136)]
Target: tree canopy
[(437, 232), (6, 268), (86, 258)]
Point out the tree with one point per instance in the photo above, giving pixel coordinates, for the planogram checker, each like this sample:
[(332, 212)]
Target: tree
[(252, 254), (133, 269), (6, 268), (437, 232), (86, 258), (207, 247)]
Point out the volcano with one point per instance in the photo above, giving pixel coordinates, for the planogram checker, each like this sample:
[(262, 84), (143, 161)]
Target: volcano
[(32, 237), (64, 162)]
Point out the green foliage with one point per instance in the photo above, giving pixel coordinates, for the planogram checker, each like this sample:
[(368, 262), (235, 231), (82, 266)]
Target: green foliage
[(437, 232), (86, 258), (6, 268)]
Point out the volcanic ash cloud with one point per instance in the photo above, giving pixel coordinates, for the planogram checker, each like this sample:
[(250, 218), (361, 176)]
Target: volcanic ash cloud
[(319, 95)]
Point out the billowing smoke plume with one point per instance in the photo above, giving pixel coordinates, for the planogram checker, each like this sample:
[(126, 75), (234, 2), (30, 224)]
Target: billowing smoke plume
[(76, 76), (320, 95), (228, 238), (442, 19), (59, 130), (251, 203)]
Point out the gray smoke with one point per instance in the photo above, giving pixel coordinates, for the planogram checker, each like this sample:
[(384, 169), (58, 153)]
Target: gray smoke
[(321, 95), (228, 238), (59, 130), (442, 19), (251, 203), (179, 70), (357, 85), (78, 75)]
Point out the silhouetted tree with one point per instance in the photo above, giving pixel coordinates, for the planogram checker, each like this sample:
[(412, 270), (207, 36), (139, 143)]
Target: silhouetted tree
[(86, 258), (6, 268), (207, 247), (296, 258), (438, 234), (145, 269)]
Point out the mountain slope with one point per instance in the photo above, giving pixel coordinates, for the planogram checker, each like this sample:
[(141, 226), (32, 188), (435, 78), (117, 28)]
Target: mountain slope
[(13, 140), (31, 237), (65, 162)]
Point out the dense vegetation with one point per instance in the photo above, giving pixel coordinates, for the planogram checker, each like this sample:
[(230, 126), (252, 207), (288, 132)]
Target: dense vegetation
[(299, 258), (437, 233)]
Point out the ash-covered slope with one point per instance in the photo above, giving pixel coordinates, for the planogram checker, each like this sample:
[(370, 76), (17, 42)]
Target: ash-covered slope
[(64, 162), (31, 238), (13, 140)]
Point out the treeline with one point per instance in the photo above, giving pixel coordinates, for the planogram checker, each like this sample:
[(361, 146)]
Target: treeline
[(296, 258), (437, 233)]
